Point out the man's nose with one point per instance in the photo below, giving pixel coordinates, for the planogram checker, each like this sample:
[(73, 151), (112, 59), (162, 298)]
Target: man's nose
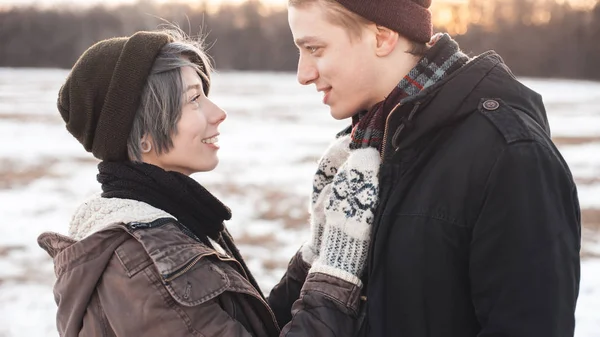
[(307, 72)]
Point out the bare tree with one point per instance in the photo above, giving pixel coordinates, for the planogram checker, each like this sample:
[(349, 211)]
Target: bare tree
[(534, 37)]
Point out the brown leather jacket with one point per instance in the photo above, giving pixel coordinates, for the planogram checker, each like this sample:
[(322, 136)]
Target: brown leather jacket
[(123, 281)]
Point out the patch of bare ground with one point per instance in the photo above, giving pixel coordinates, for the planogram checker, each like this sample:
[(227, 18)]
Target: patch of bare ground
[(290, 209), (229, 189), (86, 160), (575, 140), (272, 264), (288, 118), (12, 174), (29, 271), (31, 118), (272, 204), (590, 219), (5, 250), (15, 174), (31, 274), (261, 240), (309, 160), (587, 181)]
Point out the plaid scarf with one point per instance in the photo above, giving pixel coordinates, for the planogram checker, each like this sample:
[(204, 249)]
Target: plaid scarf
[(443, 58)]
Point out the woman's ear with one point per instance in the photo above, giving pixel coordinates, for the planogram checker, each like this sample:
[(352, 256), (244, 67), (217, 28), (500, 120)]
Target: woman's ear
[(146, 144), (387, 40)]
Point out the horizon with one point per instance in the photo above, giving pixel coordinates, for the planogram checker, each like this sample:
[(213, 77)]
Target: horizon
[(452, 16), (215, 3), (276, 3)]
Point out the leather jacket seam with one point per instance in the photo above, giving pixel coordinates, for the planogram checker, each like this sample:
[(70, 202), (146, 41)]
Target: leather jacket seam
[(137, 268), (169, 301), (345, 304), (291, 323)]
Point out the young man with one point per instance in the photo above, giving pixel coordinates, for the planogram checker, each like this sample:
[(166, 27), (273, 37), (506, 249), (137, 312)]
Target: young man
[(477, 228)]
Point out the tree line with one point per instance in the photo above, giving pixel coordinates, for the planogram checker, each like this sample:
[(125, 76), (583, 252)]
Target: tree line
[(535, 38)]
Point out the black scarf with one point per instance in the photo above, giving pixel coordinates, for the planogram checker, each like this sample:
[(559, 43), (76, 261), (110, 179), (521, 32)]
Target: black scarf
[(175, 193)]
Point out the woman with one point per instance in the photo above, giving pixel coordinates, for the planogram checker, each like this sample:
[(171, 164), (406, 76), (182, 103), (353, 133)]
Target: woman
[(150, 256)]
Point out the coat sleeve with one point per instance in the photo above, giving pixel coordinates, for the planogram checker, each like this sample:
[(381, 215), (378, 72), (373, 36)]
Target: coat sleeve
[(135, 302), (524, 259), (327, 307), (287, 291)]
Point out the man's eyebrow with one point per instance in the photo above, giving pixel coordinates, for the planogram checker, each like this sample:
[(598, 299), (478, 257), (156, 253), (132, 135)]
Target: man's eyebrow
[(305, 40)]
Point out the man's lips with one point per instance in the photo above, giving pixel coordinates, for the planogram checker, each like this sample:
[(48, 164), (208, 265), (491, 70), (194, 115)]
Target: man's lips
[(325, 91)]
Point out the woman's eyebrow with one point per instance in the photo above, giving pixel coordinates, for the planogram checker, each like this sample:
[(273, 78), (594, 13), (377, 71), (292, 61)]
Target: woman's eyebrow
[(193, 86)]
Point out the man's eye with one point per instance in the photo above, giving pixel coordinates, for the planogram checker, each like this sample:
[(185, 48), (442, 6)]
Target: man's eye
[(311, 49)]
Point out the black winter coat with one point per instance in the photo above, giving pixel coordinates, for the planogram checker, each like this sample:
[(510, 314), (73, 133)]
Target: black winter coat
[(478, 230)]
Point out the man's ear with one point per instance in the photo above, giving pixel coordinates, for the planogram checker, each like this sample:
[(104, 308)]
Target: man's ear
[(387, 40)]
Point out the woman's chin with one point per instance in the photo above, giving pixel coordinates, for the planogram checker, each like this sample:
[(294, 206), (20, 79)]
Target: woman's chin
[(207, 166)]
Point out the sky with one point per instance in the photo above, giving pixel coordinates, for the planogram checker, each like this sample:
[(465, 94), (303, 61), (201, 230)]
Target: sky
[(54, 2), (62, 2), (279, 3)]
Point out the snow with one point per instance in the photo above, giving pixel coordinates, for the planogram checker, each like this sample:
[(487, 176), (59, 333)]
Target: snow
[(270, 142)]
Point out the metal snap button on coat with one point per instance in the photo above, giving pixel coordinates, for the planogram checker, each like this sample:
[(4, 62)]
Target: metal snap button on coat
[(491, 105)]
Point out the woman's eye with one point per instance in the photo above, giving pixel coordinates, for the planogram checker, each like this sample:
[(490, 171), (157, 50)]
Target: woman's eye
[(195, 99)]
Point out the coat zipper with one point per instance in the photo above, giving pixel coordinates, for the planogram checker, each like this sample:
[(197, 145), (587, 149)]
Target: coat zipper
[(143, 225), (386, 130), (170, 277), (187, 232), (400, 128), (192, 263)]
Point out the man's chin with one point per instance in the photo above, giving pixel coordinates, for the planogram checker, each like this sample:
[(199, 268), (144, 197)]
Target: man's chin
[(339, 114)]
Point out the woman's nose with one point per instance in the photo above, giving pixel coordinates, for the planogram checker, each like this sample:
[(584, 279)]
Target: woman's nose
[(218, 115)]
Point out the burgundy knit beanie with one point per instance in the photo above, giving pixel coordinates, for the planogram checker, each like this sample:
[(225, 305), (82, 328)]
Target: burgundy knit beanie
[(411, 18), (102, 93)]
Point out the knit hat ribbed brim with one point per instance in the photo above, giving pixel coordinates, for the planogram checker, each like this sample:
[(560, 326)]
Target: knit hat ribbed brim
[(411, 18)]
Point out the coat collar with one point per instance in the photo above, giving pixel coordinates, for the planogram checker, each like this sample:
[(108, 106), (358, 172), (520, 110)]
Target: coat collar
[(455, 97), (98, 213)]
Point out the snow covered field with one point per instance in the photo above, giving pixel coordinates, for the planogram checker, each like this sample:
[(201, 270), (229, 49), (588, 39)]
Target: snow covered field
[(270, 142)]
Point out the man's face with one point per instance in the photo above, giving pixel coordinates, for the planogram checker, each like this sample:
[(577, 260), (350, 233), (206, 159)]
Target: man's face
[(340, 66)]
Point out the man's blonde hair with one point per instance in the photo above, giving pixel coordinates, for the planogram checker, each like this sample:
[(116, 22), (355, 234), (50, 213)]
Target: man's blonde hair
[(337, 15), (352, 22)]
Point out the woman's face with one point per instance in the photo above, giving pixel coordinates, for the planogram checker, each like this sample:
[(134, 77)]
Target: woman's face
[(195, 141)]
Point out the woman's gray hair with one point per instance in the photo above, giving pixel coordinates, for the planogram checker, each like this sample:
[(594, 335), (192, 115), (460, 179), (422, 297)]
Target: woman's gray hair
[(163, 98)]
